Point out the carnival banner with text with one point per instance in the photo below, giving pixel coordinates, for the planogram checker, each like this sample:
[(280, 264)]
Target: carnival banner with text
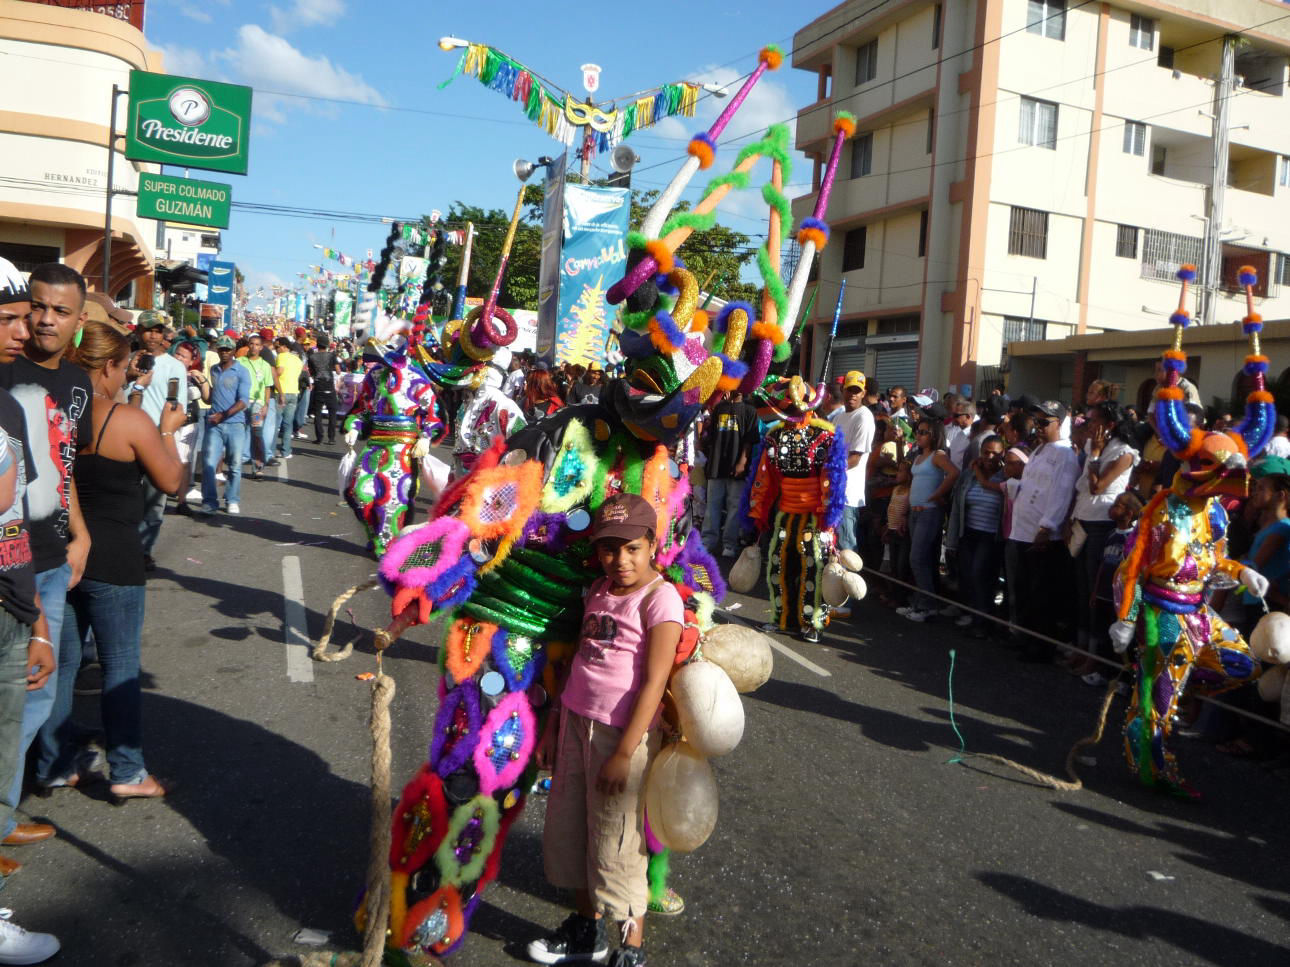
[(595, 249)]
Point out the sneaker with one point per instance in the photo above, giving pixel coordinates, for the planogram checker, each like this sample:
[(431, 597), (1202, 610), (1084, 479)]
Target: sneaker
[(288, 456), (221, 477), (628, 957), (194, 495), (770, 628), (949, 611), (904, 611), (19, 946), (302, 436), (578, 940), (235, 508), (963, 620), (670, 904), (811, 635), (919, 616)]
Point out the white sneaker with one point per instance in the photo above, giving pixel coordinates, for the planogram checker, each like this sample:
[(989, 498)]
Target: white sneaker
[(235, 508), (920, 616), (904, 611), (963, 620), (194, 494), (221, 478), (18, 946), (302, 436), (949, 611), (288, 456)]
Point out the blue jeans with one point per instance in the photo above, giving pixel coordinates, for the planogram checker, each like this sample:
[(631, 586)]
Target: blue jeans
[(39, 705), (846, 535), (287, 423), (114, 612), (269, 428), (222, 440), (925, 554), (14, 637), (302, 409), (154, 513), (721, 518)]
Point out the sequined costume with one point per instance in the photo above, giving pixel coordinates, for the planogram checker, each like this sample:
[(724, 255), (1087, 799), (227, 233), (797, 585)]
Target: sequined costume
[(1178, 554), (797, 493), (395, 418), (488, 414)]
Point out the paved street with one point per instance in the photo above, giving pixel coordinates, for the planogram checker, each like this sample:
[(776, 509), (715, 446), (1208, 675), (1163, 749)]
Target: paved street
[(844, 836)]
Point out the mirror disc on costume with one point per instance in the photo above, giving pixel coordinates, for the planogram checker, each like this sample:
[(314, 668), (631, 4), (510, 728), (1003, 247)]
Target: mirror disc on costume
[(515, 457), (674, 469), (578, 520), (492, 684)]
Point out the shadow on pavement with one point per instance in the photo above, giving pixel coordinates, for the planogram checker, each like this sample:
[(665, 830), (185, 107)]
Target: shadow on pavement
[(1204, 939)]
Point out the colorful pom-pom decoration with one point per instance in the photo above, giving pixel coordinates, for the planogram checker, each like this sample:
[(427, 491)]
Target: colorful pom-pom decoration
[(814, 230), (1174, 365), (700, 321), (1248, 275), (664, 333), (661, 254), (702, 147), (1260, 396), (771, 56), (1169, 393), (844, 123), (1187, 273), (1180, 318)]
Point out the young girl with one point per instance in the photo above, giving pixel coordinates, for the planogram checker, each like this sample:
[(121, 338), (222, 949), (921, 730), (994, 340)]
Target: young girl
[(603, 738)]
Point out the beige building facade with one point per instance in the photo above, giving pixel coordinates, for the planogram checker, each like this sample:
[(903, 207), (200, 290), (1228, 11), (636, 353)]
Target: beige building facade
[(57, 68), (1030, 170)]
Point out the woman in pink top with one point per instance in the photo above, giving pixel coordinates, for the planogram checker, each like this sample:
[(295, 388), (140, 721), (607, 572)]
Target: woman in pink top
[(593, 842)]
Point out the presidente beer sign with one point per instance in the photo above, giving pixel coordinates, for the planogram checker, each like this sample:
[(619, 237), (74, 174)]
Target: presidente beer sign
[(189, 122)]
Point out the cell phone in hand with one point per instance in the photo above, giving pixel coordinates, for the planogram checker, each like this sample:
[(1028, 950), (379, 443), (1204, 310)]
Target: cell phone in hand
[(144, 362), (172, 390)]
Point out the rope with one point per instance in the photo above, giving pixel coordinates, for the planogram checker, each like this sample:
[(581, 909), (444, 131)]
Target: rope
[(378, 865), (1118, 667), (319, 652)]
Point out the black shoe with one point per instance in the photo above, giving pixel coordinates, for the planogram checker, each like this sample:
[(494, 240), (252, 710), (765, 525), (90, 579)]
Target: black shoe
[(628, 957), (272, 463), (148, 563), (811, 635), (578, 939)]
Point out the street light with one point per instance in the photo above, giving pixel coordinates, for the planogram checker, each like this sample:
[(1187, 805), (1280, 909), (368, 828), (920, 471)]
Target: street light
[(448, 43), (718, 89), (524, 169)]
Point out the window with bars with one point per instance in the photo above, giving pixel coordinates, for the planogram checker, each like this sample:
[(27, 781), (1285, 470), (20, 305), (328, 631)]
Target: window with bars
[(1038, 124), (1047, 18), (1163, 253), (1142, 32), (1028, 233), (1135, 138), (867, 62), (861, 155), (853, 246), (1018, 329), (1126, 242)]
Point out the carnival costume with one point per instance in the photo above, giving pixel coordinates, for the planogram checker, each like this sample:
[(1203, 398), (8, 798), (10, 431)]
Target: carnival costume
[(1179, 552), (395, 419), (507, 554), (488, 414), (798, 493)]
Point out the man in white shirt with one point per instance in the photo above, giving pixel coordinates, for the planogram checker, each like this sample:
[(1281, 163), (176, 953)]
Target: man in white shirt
[(151, 397), (958, 435), (1279, 445), (855, 423), (1038, 516)]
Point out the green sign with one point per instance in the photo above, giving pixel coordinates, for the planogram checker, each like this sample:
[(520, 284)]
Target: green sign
[(189, 122), (184, 200)]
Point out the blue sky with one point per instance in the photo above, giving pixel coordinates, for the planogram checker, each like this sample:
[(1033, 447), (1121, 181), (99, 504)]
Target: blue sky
[(373, 157)]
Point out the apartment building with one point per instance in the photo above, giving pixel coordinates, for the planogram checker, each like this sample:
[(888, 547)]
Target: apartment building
[(1038, 169)]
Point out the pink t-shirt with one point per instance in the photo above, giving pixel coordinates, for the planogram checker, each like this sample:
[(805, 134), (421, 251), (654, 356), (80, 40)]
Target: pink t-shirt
[(609, 668)]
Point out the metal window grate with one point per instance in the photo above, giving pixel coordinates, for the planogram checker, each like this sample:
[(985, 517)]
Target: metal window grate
[(1028, 233), (1017, 329), (1126, 242), (1163, 253)]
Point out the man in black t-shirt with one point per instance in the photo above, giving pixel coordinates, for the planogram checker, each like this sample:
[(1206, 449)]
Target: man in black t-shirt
[(55, 396), (732, 433), (323, 368), (26, 653)]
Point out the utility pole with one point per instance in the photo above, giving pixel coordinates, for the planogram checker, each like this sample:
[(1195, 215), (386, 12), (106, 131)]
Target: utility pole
[(107, 217), (1213, 247)]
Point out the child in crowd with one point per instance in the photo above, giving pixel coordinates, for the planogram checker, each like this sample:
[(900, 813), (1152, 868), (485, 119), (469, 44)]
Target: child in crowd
[(1124, 515), (602, 737)]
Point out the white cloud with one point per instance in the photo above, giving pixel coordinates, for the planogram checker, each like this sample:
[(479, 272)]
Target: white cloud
[(269, 62), (184, 61), (306, 13), (194, 12)]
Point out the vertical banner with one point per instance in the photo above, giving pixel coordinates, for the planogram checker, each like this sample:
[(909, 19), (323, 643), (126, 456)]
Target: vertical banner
[(412, 278), (299, 315), (549, 261), (342, 312), (219, 285), (595, 230)]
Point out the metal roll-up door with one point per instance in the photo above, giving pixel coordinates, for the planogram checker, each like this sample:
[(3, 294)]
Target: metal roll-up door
[(897, 366)]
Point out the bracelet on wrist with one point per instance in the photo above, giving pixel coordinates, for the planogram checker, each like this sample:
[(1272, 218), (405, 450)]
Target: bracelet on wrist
[(41, 638)]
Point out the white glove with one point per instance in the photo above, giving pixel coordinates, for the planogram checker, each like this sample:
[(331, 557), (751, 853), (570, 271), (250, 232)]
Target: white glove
[(1122, 636), (1254, 582), (351, 437), (420, 448)]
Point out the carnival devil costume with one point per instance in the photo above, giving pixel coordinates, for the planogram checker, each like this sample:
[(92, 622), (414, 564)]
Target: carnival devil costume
[(507, 554), (1179, 552), (488, 414), (798, 493)]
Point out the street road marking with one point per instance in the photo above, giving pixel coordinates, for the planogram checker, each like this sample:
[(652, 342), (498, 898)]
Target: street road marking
[(804, 662), (295, 631), (283, 475)]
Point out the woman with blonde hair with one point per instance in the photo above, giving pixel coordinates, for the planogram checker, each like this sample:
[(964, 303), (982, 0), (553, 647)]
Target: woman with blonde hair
[(109, 600)]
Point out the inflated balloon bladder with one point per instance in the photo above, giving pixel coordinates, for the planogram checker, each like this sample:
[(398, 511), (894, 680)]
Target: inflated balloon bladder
[(744, 575), (681, 798), (710, 711), (742, 653), (856, 586), (850, 559), (833, 584)]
